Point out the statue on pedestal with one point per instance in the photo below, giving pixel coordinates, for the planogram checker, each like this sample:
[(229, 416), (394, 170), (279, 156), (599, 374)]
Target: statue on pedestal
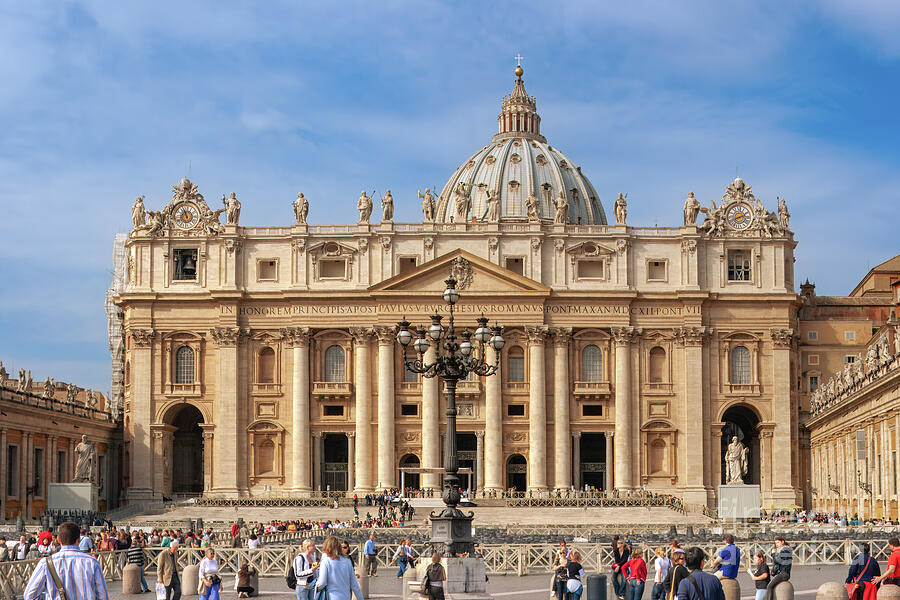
[(85, 461), (301, 209), (232, 209), (427, 205), (493, 205), (736, 462), (138, 214), (691, 209), (387, 206), (620, 208), (364, 205)]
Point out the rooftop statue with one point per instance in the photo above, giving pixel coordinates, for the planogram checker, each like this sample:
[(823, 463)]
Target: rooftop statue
[(387, 206), (364, 205), (232, 209), (561, 204), (620, 209), (691, 209), (301, 209), (427, 205)]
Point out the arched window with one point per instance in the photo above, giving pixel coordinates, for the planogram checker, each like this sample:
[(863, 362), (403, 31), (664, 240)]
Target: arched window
[(592, 363), (334, 364), (265, 454), (516, 364), (409, 376), (740, 365), (657, 365), (184, 365), (266, 366)]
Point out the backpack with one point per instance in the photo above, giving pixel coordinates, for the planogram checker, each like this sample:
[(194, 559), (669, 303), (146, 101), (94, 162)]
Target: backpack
[(291, 578)]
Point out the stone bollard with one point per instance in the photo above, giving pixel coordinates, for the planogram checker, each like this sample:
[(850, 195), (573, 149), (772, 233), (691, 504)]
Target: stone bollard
[(889, 591), (364, 581), (254, 583), (131, 580), (409, 576), (832, 590), (732, 589), (190, 580), (784, 591)]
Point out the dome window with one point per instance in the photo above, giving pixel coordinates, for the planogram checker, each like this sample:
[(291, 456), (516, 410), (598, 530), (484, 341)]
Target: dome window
[(541, 160), (515, 159), (513, 185), (490, 160), (470, 164), (563, 164)]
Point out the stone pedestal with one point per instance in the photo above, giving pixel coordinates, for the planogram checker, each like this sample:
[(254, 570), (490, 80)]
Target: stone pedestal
[(254, 583), (739, 502), (832, 590), (885, 591), (732, 589), (465, 578), (784, 591), (72, 496), (131, 580), (190, 579)]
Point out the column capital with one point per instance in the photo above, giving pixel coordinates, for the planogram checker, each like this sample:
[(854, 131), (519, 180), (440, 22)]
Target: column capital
[(143, 338), (536, 333), (479, 435), (691, 336), (296, 337), (385, 335), (561, 335), (351, 434), (361, 335), (316, 434), (782, 338), (576, 435), (624, 336), (225, 336)]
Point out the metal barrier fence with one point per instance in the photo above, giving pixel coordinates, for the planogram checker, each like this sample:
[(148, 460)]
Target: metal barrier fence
[(500, 559)]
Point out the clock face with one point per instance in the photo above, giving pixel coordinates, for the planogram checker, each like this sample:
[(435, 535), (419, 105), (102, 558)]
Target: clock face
[(739, 216), (186, 215)]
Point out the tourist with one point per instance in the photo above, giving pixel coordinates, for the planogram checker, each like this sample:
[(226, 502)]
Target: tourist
[(336, 574), (621, 555), (575, 576), (306, 570), (80, 575), (636, 574), (562, 555), (699, 585), (435, 576), (892, 573), (371, 556), (404, 557), (166, 539), (208, 574), (253, 542), (242, 580), (167, 571), (728, 559), (782, 557), (661, 566), (678, 572), (863, 569), (761, 575), (135, 556), (4, 550), (345, 552)]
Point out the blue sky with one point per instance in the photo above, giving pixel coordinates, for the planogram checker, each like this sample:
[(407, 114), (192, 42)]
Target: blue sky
[(101, 102)]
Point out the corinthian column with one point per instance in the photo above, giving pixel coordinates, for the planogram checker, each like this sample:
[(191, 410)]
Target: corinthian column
[(479, 461), (624, 461), (782, 490), (493, 428), (537, 405), (141, 467), (431, 425), (228, 429), (562, 444), (695, 428), (298, 337), (385, 407), (363, 388)]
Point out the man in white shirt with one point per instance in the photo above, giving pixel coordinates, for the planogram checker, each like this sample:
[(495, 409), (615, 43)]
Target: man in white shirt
[(662, 564)]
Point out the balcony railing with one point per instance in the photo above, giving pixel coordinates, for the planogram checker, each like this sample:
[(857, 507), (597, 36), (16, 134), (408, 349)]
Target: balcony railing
[(591, 389), (332, 389), (467, 388)]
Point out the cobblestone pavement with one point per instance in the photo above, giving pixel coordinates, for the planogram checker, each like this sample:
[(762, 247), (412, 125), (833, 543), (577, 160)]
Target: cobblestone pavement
[(507, 587)]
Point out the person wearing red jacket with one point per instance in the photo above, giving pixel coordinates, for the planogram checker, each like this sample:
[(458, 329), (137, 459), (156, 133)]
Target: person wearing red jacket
[(636, 574)]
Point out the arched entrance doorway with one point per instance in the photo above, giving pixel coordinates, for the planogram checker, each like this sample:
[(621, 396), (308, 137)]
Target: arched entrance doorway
[(741, 422), (187, 451), (516, 473), (409, 480)]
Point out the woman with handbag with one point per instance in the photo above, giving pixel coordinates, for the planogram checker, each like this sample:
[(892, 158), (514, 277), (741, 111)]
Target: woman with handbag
[(209, 580), (336, 579), (859, 580)]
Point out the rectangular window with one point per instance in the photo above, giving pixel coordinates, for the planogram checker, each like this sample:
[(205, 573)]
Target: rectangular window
[(656, 270), (849, 336), (849, 359), (517, 369), (592, 410), (813, 383), (267, 270), (739, 265), (591, 269), (406, 263), (409, 410), (12, 471), (515, 410), (61, 466), (332, 269), (515, 264), (333, 410), (38, 470), (185, 260), (812, 359), (812, 336)]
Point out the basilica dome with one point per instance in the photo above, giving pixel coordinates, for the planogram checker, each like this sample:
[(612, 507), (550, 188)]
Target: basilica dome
[(520, 168)]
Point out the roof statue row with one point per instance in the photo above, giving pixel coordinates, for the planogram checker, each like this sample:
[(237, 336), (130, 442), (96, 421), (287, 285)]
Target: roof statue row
[(188, 213), (24, 384)]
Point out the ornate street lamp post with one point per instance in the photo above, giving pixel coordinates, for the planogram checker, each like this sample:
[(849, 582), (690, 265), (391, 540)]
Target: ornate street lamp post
[(455, 357)]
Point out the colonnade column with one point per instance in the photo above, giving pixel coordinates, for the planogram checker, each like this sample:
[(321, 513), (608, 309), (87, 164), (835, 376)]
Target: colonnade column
[(576, 459), (624, 461), (479, 461), (28, 479), (141, 467), (70, 460), (610, 461), (537, 406), (208, 462), (493, 427), (431, 427), (3, 475), (562, 439), (696, 431), (298, 337), (227, 440), (386, 479), (351, 460), (363, 388), (52, 444), (782, 488)]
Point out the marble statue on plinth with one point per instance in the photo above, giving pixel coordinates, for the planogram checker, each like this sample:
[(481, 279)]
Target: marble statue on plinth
[(85, 462), (736, 462)]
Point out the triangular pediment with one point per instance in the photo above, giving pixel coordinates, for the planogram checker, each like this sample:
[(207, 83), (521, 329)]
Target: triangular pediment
[(486, 279)]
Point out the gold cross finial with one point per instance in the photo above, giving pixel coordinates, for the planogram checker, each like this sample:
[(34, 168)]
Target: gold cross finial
[(518, 58)]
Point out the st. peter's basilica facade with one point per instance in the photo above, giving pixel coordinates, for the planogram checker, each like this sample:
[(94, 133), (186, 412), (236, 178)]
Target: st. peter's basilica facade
[(263, 360)]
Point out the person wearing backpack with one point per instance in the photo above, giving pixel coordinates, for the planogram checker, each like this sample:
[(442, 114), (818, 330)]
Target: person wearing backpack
[(306, 570), (699, 585)]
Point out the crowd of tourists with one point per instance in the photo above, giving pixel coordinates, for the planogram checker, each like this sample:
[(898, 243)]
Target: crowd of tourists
[(836, 519)]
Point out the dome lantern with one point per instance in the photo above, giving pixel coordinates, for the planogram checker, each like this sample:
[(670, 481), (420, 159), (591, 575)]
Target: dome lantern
[(518, 113)]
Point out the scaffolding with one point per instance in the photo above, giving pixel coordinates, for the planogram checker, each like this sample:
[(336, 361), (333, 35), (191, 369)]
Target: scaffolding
[(115, 326)]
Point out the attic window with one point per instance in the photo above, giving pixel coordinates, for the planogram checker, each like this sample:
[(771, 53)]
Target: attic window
[(591, 269), (515, 264), (185, 264), (333, 269), (406, 263), (267, 270), (656, 270)]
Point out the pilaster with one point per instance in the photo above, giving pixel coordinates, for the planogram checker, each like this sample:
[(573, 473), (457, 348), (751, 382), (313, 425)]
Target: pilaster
[(362, 386), (697, 489), (782, 485), (141, 467), (431, 437), (562, 441), (227, 441), (298, 341), (537, 404), (624, 460), (386, 478), (493, 428)]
